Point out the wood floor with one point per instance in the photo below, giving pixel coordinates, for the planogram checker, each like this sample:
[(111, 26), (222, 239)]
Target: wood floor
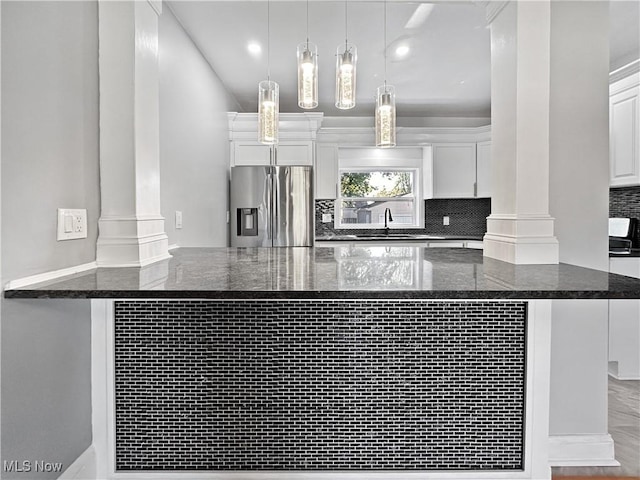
[(624, 427), (587, 477)]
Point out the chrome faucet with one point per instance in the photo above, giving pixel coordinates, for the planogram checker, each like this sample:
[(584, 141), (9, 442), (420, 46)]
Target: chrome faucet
[(387, 211)]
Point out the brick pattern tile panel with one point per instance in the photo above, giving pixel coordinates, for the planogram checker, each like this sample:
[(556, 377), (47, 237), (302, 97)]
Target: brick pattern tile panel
[(319, 385)]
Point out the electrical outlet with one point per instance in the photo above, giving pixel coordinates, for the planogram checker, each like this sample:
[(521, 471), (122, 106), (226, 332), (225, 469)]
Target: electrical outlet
[(178, 219), (445, 220), (72, 223), (326, 218), (79, 222)]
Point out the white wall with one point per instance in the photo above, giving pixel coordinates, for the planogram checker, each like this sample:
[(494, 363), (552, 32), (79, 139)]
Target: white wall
[(46, 382), (49, 159), (579, 202), (50, 153), (194, 141), (579, 131), (579, 364)]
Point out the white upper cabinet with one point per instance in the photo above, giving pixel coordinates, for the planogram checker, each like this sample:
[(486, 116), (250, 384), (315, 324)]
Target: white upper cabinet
[(295, 153), (286, 153), (250, 153), (296, 145), (454, 170), (326, 171), (624, 130), (461, 170)]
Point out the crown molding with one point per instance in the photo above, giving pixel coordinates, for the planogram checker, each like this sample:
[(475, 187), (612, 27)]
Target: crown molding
[(406, 136), (626, 71), (243, 126), (156, 5), (493, 8)]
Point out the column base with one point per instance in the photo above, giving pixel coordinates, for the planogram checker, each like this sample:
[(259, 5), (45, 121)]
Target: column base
[(582, 451), (131, 241), (521, 239)]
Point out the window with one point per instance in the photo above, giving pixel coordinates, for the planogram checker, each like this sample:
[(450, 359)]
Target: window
[(365, 194)]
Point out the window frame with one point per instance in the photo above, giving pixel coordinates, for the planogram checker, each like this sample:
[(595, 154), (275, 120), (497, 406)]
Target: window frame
[(415, 197)]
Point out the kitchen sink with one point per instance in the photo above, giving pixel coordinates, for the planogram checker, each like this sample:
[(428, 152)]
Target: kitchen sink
[(411, 236), (390, 235)]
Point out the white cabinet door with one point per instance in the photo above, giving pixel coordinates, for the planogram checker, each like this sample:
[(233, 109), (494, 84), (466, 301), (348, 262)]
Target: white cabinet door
[(286, 153), (624, 142), (291, 153), (483, 170), (326, 171), (454, 170), (251, 153)]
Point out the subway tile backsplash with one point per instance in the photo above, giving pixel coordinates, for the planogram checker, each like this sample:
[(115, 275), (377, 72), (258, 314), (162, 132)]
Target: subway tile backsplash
[(467, 216), (624, 202)]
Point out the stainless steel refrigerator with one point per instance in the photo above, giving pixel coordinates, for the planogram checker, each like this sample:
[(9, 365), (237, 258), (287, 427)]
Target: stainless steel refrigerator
[(272, 206)]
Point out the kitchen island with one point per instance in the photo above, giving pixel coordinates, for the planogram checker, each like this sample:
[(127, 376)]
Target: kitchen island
[(353, 271), (329, 362)]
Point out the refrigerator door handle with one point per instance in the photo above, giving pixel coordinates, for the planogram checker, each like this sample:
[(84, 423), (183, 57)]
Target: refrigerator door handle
[(267, 202), (275, 204)]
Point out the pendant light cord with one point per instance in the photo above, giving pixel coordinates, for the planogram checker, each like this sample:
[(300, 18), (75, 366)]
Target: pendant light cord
[(385, 44), (307, 24), (268, 41), (346, 23)]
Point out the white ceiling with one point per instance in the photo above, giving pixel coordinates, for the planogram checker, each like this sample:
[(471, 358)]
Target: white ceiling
[(446, 73)]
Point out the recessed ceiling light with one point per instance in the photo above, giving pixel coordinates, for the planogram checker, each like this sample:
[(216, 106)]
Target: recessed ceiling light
[(402, 51), (254, 48)]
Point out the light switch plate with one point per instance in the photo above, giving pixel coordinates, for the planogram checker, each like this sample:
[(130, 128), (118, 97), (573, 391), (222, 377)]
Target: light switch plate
[(72, 223), (445, 220), (326, 218), (178, 219)]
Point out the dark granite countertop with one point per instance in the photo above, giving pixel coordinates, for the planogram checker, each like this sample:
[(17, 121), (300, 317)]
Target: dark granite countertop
[(369, 271)]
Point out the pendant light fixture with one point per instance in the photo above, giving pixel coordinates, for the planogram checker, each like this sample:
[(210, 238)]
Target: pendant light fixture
[(307, 72), (268, 100), (385, 104), (346, 58)]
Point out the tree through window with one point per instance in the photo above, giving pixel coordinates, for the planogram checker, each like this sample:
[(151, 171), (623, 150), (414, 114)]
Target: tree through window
[(365, 195)]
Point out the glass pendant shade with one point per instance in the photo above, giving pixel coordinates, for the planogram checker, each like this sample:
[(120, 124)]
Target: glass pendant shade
[(268, 110), (385, 117), (346, 76), (307, 75)]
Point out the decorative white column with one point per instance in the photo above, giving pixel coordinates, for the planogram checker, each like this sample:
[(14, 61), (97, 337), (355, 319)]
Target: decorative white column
[(579, 202), (131, 229), (520, 229), (550, 158)]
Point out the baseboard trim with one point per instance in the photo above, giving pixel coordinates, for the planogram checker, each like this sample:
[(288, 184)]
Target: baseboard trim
[(321, 475), (84, 467), (46, 276), (624, 377), (582, 451)]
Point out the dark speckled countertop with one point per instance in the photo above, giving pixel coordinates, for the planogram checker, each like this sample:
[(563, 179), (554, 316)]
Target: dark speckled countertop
[(367, 271)]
